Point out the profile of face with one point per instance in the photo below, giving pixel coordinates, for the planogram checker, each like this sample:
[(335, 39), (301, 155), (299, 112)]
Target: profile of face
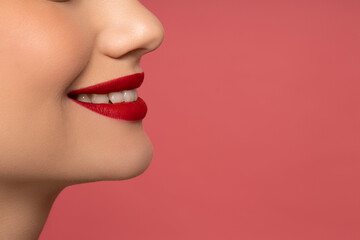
[(49, 48)]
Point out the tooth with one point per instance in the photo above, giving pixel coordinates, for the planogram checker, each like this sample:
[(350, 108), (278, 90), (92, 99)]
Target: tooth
[(129, 95), (99, 98), (116, 97), (83, 98)]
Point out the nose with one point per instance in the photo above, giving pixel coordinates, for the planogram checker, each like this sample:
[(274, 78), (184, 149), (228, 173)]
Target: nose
[(127, 26)]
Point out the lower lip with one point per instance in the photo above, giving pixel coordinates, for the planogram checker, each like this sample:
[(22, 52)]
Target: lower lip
[(129, 111)]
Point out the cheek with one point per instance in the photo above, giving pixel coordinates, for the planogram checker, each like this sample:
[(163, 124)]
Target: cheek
[(43, 49)]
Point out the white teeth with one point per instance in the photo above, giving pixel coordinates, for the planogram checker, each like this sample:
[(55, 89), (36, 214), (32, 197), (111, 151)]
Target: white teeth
[(83, 98), (130, 95), (99, 98), (114, 97)]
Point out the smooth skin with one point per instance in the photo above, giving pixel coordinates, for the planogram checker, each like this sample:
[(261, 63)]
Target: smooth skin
[(48, 142)]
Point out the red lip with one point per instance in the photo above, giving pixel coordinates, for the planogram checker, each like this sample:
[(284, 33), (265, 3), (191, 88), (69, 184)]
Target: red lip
[(130, 111)]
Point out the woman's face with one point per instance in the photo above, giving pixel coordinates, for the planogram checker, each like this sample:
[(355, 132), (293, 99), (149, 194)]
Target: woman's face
[(50, 47)]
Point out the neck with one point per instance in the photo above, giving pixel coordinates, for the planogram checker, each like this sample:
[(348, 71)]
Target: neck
[(24, 208)]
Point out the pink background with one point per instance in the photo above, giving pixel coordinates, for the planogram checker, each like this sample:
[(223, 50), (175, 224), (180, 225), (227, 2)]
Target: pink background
[(254, 115)]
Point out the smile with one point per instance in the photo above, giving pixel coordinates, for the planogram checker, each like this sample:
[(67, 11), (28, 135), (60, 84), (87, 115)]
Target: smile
[(116, 98)]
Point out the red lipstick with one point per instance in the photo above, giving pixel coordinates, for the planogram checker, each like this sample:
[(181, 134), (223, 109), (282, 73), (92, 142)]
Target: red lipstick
[(130, 111)]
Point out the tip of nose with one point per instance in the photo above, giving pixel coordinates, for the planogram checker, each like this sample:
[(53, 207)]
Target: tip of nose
[(156, 40), (144, 34)]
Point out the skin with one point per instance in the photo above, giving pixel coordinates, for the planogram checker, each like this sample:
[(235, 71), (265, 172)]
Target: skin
[(48, 142)]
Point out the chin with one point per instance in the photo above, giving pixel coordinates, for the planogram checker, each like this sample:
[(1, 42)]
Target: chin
[(109, 163), (134, 165)]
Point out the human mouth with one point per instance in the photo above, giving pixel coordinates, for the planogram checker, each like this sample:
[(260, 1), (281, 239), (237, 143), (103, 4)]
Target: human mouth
[(116, 98)]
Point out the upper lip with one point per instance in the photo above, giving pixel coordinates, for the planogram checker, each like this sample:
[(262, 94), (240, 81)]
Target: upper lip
[(114, 85)]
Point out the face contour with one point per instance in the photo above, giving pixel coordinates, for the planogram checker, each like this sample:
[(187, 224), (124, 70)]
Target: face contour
[(50, 47)]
